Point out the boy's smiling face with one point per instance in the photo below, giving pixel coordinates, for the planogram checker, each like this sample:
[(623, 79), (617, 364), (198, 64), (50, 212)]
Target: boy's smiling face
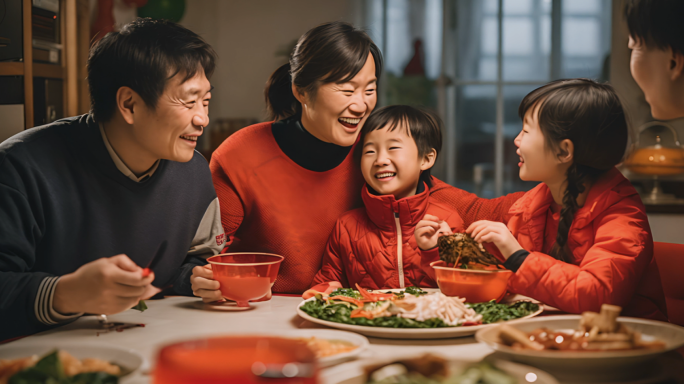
[(390, 162)]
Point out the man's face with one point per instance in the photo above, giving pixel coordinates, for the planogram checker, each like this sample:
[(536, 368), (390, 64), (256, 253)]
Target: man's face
[(652, 69), (171, 130)]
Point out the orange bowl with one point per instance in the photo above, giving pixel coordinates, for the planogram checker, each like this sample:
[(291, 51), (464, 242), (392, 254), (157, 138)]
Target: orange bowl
[(245, 276), (236, 359), (475, 285)]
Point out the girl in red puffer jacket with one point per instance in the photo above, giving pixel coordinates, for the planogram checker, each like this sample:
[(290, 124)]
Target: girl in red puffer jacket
[(374, 246), (581, 237)]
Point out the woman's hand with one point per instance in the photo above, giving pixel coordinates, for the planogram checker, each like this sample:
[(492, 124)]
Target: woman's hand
[(429, 230), (484, 231), (204, 285)]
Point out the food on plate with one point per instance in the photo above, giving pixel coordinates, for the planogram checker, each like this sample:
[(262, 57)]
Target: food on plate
[(325, 347), (596, 332), (462, 251), (58, 367), (410, 308), (430, 369)]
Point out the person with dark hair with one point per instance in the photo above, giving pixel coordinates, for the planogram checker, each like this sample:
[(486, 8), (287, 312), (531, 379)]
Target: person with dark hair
[(283, 184), (581, 238), (656, 38), (374, 246), (87, 202)]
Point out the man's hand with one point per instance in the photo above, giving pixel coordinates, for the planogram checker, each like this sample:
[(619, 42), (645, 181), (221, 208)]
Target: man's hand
[(104, 286), (484, 231), (204, 285), (429, 230)]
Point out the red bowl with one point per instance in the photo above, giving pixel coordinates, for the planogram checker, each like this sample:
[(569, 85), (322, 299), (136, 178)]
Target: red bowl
[(477, 286), (236, 359), (245, 276)]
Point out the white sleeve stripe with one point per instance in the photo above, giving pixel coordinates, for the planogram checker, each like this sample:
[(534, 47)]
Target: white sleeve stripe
[(48, 300), (44, 292)]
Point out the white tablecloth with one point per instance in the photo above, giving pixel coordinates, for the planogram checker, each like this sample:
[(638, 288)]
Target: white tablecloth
[(182, 318)]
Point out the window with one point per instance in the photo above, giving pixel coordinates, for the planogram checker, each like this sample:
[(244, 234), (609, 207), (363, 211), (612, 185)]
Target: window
[(493, 52)]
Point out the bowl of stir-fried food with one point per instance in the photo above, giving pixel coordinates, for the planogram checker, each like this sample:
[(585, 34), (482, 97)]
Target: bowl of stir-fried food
[(434, 369), (466, 269), (591, 339)]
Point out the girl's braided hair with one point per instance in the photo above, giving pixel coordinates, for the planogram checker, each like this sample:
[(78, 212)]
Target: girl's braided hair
[(591, 116)]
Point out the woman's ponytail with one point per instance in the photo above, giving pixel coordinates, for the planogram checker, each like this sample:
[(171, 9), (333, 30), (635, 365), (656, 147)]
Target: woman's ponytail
[(280, 101)]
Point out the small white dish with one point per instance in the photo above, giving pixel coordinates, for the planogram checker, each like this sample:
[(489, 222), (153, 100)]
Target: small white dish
[(223, 306), (129, 360), (329, 334)]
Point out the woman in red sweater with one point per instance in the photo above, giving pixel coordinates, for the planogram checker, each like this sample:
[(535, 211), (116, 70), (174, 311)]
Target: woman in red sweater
[(283, 184), (581, 237)]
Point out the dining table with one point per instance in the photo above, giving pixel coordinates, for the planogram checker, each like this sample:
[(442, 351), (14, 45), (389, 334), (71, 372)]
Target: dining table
[(176, 318)]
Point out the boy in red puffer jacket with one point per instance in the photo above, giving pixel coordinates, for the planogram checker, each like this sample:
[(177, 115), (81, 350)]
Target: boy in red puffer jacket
[(375, 246)]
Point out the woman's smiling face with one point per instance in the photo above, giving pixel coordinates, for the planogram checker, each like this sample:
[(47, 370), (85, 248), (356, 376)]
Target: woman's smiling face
[(339, 110)]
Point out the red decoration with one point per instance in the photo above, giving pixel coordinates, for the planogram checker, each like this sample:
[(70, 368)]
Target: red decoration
[(104, 23)]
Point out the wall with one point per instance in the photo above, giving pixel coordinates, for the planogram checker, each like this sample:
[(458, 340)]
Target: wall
[(247, 34)]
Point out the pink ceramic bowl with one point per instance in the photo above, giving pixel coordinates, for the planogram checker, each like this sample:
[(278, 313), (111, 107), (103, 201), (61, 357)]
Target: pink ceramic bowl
[(245, 276)]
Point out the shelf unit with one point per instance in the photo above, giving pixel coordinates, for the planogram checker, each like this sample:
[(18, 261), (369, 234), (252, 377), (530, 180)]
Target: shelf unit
[(74, 25)]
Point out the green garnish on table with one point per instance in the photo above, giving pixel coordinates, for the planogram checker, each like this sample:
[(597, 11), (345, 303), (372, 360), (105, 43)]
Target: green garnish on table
[(141, 306), (50, 370)]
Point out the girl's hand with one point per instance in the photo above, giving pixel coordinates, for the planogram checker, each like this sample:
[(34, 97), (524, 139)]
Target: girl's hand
[(429, 230), (484, 231)]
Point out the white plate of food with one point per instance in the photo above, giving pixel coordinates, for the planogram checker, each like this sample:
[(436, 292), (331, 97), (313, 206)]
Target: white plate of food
[(331, 346), (448, 371), (410, 325), (75, 359), (593, 342)]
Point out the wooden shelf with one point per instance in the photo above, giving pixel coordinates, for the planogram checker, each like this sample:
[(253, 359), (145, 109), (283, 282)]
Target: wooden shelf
[(12, 69), (52, 71)]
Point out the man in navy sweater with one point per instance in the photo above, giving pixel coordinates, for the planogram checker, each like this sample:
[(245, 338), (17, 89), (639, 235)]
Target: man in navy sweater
[(87, 202)]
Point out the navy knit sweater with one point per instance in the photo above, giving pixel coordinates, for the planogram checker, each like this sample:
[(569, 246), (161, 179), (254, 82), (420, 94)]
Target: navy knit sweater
[(63, 203)]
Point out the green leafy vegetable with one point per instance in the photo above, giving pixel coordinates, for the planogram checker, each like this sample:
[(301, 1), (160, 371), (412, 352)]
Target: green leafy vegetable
[(349, 292), (415, 291), (49, 370), (141, 306), (341, 313), (493, 312)]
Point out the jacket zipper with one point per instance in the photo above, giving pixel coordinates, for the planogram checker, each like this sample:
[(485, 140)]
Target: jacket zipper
[(400, 257)]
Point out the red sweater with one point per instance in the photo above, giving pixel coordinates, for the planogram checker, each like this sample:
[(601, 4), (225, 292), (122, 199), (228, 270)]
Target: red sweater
[(375, 246), (271, 204)]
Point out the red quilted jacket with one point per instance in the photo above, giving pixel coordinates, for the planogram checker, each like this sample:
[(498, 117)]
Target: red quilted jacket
[(363, 246), (612, 251)]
